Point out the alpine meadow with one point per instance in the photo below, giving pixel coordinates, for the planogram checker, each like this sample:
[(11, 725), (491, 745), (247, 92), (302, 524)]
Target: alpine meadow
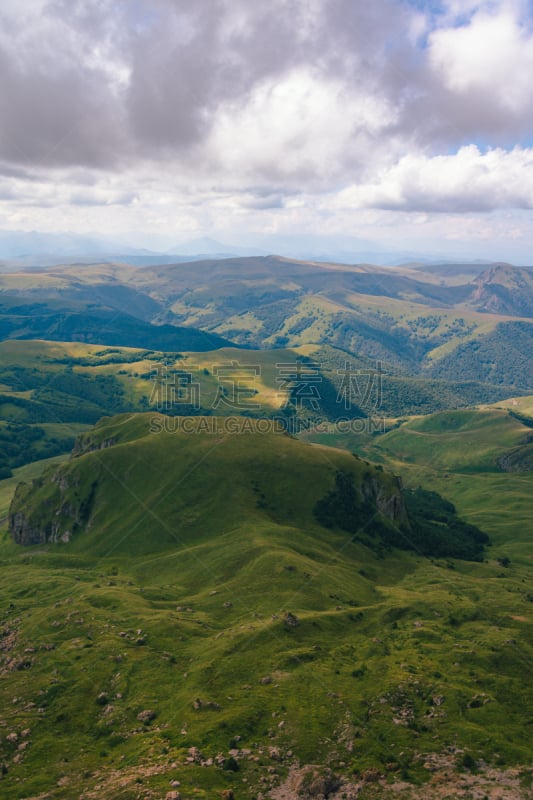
[(266, 400)]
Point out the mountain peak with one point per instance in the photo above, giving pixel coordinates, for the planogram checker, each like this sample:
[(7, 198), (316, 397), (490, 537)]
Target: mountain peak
[(504, 289)]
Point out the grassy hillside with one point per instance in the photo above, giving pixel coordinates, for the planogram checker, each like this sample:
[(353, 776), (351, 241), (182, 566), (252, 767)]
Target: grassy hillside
[(200, 587), (460, 441)]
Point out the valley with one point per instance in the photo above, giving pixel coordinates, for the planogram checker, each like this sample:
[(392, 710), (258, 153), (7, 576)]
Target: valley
[(222, 571)]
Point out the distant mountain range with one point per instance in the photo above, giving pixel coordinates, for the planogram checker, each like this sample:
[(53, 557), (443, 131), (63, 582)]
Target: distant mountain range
[(29, 249), (419, 322)]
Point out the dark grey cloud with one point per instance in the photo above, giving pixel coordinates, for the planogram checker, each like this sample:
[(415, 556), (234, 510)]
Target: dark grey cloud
[(55, 113), (102, 198), (101, 84), (10, 171), (264, 202)]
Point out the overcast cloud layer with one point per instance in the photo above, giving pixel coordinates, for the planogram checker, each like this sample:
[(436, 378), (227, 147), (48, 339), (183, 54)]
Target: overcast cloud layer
[(409, 124)]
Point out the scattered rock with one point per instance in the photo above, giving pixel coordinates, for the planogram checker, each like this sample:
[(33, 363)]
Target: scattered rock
[(266, 680), (146, 716), (195, 756), (371, 775), (19, 664), (291, 620), (200, 705)]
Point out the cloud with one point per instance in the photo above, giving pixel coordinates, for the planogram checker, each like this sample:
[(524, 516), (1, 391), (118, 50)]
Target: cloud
[(468, 181), (102, 197), (284, 90), (491, 56), (300, 130), (268, 201), (170, 114)]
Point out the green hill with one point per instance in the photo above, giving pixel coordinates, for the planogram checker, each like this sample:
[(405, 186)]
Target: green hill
[(139, 484), (204, 622), (456, 441)]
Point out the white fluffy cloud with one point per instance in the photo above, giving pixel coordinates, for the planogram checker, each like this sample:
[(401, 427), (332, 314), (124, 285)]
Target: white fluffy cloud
[(492, 55), (301, 129), (466, 181)]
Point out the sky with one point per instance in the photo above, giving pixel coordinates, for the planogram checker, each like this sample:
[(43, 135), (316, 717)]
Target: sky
[(401, 125)]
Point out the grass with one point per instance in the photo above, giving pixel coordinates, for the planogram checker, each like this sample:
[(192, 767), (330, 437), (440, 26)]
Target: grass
[(524, 405), (460, 441), (198, 547)]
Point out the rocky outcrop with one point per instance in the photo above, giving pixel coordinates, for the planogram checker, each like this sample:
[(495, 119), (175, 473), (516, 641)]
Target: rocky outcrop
[(87, 444), (520, 459), (357, 505), (64, 510), (24, 531), (389, 503), (27, 532)]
